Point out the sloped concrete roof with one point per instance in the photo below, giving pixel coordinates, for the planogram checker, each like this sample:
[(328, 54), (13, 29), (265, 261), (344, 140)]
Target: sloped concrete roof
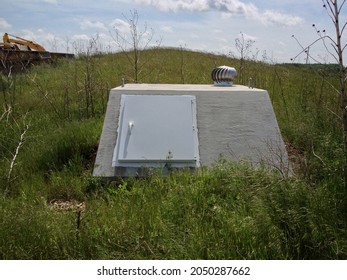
[(234, 122)]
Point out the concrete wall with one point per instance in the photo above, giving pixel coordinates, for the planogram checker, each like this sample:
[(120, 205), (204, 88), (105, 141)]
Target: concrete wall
[(234, 122)]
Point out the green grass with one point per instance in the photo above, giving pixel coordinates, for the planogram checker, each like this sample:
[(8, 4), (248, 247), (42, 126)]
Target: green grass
[(230, 211)]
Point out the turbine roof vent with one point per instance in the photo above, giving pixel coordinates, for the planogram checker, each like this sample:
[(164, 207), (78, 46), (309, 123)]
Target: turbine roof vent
[(223, 75)]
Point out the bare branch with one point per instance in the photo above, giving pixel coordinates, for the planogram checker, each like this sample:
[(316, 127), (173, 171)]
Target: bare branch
[(341, 5), (336, 50), (8, 111), (331, 10), (343, 28), (44, 94), (330, 84), (333, 43), (305, 49), (336, 115), (14, 158), (317, 156), (136, 40)]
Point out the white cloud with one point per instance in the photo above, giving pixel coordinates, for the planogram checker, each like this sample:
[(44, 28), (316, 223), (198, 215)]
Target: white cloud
[(222, 40), (229, 7), (28, 34), (120, 25), (4, 24), (177, 5), (277, 18), (247, 37), (87, 24), (80, 37), (166, 29), (218, 31), (182, 43), (51, 1)]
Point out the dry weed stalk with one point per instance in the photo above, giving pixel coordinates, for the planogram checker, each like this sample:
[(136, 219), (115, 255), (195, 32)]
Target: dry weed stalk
[(14, 158), (335, 48)]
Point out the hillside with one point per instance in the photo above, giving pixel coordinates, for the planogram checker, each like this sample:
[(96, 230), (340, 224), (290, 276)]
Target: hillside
[(52, 208)]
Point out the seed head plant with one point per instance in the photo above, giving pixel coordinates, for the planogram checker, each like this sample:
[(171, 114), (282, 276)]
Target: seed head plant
[(335, 47)]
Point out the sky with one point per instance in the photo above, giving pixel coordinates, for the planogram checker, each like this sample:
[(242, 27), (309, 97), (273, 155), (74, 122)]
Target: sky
[(278, 30)]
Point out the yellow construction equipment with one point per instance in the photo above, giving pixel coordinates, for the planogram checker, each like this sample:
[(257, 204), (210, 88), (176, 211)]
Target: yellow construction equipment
[(19, 52), (20, 44)]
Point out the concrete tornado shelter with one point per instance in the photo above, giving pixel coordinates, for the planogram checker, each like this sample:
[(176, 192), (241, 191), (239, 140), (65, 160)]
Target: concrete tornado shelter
[(164, 126)]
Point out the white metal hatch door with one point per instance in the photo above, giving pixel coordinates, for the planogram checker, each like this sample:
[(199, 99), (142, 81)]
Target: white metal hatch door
[(157, 128)]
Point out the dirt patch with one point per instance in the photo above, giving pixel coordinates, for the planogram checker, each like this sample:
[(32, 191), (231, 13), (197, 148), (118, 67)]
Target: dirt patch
[(89, 156), (65, 205), (296, 158)]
